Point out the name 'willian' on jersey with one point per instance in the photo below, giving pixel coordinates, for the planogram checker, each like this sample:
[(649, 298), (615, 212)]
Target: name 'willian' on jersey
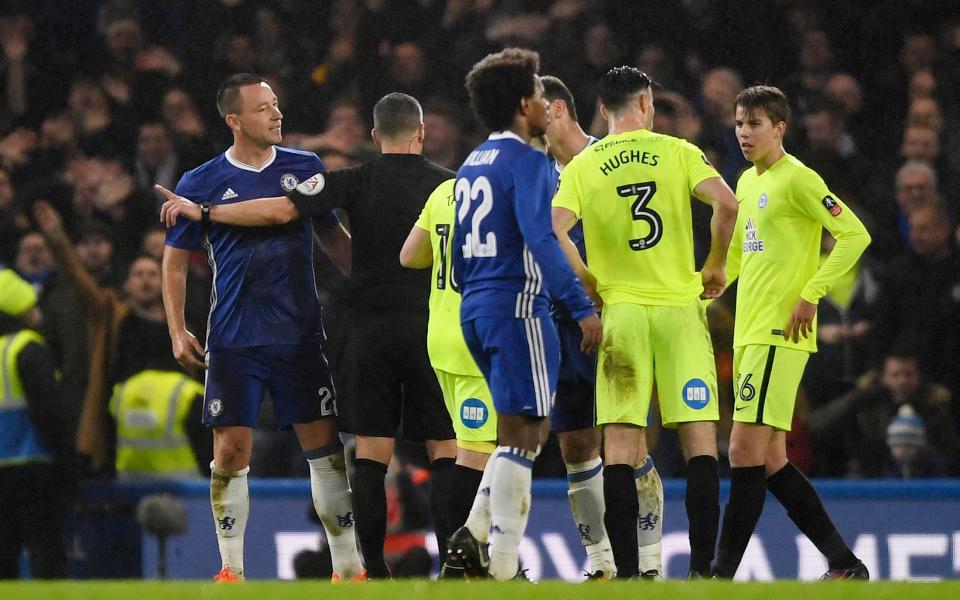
[(264, 288), (504, 251)]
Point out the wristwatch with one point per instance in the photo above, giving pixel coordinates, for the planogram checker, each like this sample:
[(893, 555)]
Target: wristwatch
[(205, 214)]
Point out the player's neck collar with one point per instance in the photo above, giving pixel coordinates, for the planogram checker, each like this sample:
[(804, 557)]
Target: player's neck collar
[(245, 166), (504, 135)]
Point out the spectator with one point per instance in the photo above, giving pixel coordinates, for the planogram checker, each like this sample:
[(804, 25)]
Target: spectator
[(13, 223), (35, 482), (843, 353), (97, 129), (158, 430), (920, 295), (718, 92), (832, 152), (910, 456), (187, 127), (66, 334), (860, 417), (127, 336), (34, 261), (445, 143), (156, 161)]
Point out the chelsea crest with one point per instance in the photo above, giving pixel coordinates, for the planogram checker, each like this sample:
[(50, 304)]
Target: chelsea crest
[(289, 182)]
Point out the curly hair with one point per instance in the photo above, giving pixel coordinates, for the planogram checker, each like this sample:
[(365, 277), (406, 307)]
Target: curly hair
[(498, 82)]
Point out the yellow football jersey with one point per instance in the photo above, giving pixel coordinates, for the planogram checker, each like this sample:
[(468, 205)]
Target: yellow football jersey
[(632, 190), (776, 249), (445, 345)]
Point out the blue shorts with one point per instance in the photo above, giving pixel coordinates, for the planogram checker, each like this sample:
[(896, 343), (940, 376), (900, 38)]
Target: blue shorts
[(574, 406), (519, 358), (296, 375)]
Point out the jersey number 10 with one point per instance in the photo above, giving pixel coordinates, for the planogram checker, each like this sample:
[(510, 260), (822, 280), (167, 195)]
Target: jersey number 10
[(443, 230), (475, 246), (641, 211)]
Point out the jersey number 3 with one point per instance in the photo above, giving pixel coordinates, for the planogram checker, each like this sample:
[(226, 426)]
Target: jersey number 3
[(466, 193), (640, 209)]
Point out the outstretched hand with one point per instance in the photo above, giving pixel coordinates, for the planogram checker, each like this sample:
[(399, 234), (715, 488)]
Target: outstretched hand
[(47, 218), (176, 206)]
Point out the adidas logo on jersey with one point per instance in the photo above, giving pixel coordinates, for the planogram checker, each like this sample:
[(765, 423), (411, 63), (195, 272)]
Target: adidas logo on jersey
[(229, 194)]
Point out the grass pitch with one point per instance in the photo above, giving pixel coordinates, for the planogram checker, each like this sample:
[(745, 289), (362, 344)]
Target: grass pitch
[(427, 590)]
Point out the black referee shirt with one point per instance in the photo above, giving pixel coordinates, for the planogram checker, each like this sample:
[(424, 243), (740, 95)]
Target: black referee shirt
[(383, 198)]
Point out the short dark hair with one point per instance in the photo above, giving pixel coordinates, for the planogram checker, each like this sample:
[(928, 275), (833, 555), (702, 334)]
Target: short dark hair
[(771, 100), (499, 82), (228, 95), (554, 89), (620, 84), (396, 113)]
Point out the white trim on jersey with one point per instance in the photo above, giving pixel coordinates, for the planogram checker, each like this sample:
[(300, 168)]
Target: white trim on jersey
[(538, 365), (246, 167), (505, 135), (531, 287), (212, 261)]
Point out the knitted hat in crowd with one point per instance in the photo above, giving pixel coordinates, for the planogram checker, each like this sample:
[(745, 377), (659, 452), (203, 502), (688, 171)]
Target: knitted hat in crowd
[(16, 295), (906, 428)]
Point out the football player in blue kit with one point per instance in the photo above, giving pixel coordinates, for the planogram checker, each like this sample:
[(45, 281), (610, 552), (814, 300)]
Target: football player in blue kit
[(265, 332), (506, 260)]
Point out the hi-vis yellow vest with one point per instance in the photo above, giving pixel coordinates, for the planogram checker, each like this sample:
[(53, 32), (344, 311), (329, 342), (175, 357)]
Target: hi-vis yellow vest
[(19, 442), (150, 409)]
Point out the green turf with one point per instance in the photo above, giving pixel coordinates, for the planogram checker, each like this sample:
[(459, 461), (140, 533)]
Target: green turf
[(423, 590)]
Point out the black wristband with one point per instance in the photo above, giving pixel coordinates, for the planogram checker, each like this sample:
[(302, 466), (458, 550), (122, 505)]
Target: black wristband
[(204, 214)]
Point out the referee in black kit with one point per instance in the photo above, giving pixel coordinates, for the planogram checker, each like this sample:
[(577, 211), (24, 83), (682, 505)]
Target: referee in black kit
[(389, 380)]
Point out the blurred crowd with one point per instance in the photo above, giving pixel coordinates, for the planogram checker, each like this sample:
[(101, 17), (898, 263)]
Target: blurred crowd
[(101, 100)]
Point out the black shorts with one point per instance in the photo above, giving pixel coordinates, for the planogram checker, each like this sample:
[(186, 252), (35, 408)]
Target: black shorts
[(390, 389)]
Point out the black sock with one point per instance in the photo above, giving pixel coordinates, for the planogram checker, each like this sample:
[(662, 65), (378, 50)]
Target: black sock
[(466, 482), (796, 494), (441, 488), (747, 492), (703, 510), (370, 510), (620, 518)]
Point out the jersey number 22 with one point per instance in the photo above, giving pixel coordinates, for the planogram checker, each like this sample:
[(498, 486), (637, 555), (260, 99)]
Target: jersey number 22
[(475, 246)]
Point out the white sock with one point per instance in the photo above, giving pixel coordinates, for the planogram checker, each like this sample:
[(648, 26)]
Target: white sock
[(587, 505), (509, 509), (650, 521), (333, 502), (230, 500), (478, 521)]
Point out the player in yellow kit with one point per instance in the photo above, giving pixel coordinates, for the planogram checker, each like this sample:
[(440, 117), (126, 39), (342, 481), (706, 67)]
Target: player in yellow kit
[(784, 207), (464, 389), (632, 191)]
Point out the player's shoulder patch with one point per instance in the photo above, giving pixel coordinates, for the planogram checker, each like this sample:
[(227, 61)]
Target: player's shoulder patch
[(832, 206), (312, 185)]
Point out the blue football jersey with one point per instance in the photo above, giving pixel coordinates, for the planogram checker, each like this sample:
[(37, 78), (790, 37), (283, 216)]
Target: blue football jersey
[(575, 233), (506, 258), (264, 289)]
